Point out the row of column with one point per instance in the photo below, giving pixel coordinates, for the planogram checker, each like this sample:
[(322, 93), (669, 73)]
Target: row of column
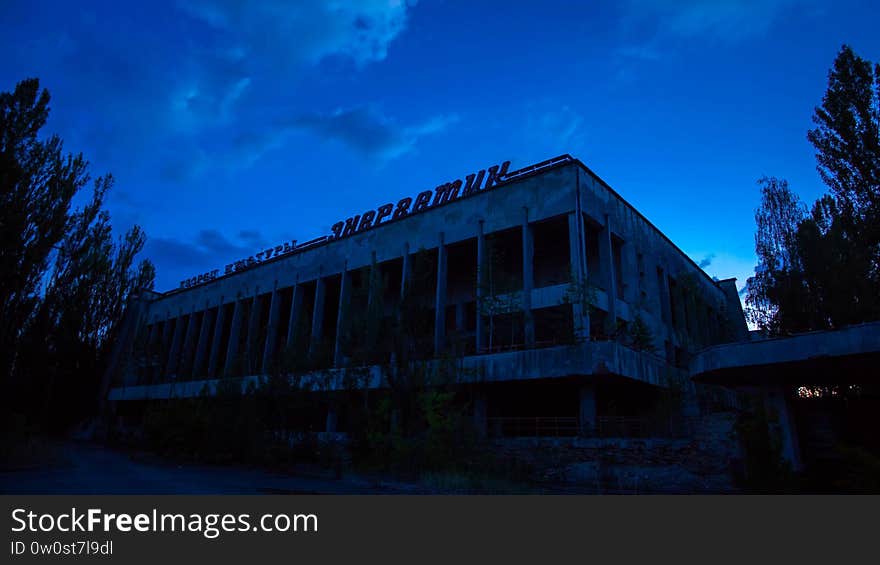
[(186, 334)]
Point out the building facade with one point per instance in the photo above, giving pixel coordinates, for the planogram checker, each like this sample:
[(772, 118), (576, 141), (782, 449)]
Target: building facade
[(541, 290)]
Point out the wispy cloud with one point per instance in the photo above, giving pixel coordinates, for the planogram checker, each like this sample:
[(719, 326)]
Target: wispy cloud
[(556, 127), (305, 31), (652, 29), (723, 19), (706, 261), (726, 265), (364, 129), (370, 132), (207, 250), (186, 73)]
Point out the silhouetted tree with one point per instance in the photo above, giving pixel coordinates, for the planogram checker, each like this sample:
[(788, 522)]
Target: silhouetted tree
[(821, 269), (778, 287), (64, 282), (847, 145), (37, 183), (840, 241)]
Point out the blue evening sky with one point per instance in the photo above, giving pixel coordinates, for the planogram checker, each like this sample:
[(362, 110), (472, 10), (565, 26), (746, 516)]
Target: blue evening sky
[(230, 126)]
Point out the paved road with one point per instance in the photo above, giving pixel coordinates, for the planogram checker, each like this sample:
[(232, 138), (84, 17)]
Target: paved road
[(92, 469)]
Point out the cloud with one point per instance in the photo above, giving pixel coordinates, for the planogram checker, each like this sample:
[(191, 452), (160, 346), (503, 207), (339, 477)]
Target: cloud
[(176, 259), (305, 31), (706, 261), (252, 48), (727, 265), (558, 128), (253, 238), (186, 164), (370, 132), (724, 19), (186, 73), (650, 29), (364, 129)]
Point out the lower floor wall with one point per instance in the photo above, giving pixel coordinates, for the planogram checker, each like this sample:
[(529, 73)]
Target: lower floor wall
[(578, 434), (587, 434), (594, 406), (707, 462)]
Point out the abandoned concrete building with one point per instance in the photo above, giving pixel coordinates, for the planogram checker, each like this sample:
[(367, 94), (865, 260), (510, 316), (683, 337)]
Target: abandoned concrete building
[(559, 307)]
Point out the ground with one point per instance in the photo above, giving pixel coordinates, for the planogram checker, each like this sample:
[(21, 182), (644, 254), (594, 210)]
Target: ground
[(563, 467), (85, 468)]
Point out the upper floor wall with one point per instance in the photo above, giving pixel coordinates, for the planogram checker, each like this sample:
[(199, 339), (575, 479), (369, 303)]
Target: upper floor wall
[(550, 193), (637, 267)]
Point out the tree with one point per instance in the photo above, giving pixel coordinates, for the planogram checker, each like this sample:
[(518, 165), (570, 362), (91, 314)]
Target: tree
[(844, 230), (640, 336), (821, 269), (37, 183), (65, 282), (777, 289), (847, 143)]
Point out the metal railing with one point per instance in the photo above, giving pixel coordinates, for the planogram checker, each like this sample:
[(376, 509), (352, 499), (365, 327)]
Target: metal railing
[(636, 427), (537, 167), (605, 427)]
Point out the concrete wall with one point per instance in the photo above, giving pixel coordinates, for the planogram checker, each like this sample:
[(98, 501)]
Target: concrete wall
[(637, 265), (589, 358), (738, 363)]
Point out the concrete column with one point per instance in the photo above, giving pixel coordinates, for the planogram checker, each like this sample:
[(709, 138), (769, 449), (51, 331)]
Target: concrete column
[(440, 301), (153, 336), (293, 316), (174, 351), (690, 402), (188, 350), (690, 308), (580, 311), (679, 313), (404, 271), (342, 318), (404, 281), (587, 410), (782, 424), (217, 341), (663, 297), (202, 345), (528, 245), (165, 345), (272, 329), (630, 264), (234, 336), (317, 315), (373, 282), (254, 351), (481, 254), (459, 317), (606, 262), (481, 419), (332, 420), (151, 348)]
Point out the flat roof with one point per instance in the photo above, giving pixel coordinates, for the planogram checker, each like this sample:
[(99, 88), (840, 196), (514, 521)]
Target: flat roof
[(513, 176)]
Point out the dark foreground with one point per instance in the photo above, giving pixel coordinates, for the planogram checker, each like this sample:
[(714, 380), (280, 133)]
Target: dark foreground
[(85, 468)]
